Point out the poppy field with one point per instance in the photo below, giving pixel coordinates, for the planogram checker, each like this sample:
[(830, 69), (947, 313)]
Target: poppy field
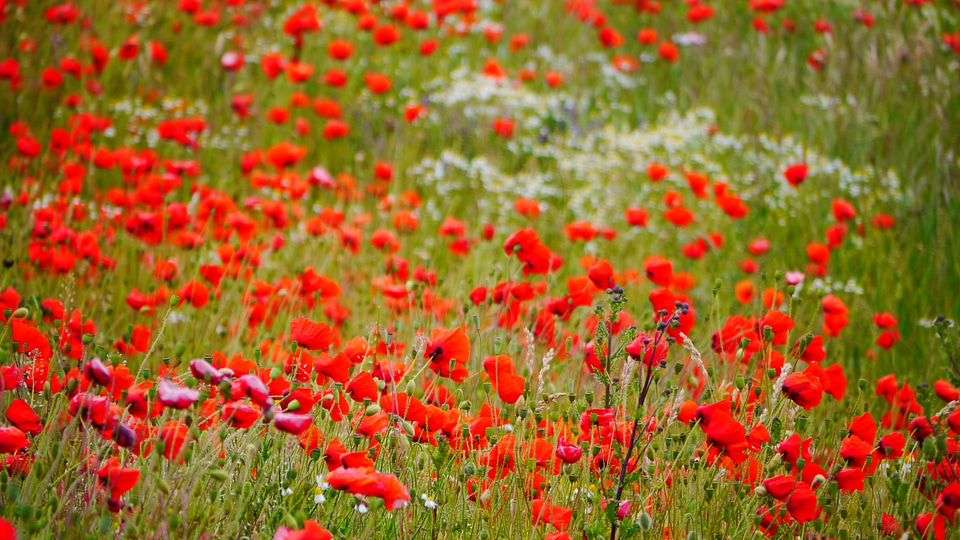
[(437, 269)]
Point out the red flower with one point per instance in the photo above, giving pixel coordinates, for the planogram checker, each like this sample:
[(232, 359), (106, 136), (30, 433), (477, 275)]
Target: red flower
[(21, 415), (668, 51), (311, 531), (659, 270), (31, 341), (7, 531), (117, 479), (803, 504), (175, 396), (544, 512), (803, 390), (568, 453), (11, 439), (503, 376), (780, 487), (366, 481), (292, 423), (174, 436), (448, 352), (642, 349), (315, 336), (503, 127), (796, 174)]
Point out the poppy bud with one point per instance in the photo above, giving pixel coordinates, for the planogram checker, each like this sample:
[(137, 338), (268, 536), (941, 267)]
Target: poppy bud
[(929, 449), (161, 483), (801, 463), (408, 428), (645, 521), (862, 384), (174, 300), (371, 410), (20, 313), (760, 491), (740, 382), (87, 339), (226, 388), (219, 475)]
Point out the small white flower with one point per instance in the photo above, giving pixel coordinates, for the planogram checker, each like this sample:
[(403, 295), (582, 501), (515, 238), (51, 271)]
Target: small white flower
[(362, 508), (286, 491), (322, 486), (428, 501)]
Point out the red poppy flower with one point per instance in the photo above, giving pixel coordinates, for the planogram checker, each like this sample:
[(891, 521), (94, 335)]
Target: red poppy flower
[(294, 424), (366, 481), (803, 390), (175, 396), (503, 375), (448, 352), (314, 336), (545, 512), (116, 478), (11, 439), (311, 531), (20, 414), (796, 174)]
